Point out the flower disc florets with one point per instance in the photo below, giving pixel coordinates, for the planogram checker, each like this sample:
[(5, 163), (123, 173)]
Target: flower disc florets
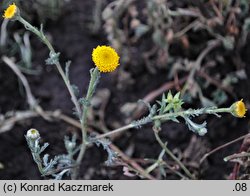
[(105, 58), (11, 11), (239, 109)]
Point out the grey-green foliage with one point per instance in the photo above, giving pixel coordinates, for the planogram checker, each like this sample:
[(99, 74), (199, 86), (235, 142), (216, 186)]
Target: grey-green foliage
[(25, 49), (170, 108), (53, 58), (173, 104), (57, 166), (146, 119), (200, 129), (105, 143), (169, 104)]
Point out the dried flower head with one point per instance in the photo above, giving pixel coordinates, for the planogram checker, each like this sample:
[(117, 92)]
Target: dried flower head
[(32, 134), (105, 58), (11, 11), (239, 109)]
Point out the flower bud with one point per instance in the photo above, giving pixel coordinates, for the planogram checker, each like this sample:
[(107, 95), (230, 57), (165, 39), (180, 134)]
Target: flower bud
[(33, 134)]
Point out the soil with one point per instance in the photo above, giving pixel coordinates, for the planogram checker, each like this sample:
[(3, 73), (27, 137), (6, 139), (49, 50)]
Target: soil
[(71, 37)]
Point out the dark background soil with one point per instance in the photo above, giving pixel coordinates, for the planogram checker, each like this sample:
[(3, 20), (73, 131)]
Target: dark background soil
[(71, 37)]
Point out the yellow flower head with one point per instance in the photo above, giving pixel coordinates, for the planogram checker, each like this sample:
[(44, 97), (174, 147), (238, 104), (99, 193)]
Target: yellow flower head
[(105, 58), (11, 11), (239, 109)]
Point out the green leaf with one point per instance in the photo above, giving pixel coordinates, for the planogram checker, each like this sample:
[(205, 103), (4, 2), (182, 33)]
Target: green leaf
[(75, 90), (162, 104), (177, 96), (174, 119), (169, 107), (162, 171), (169, 97), (177, 107), (68, 63), (53, 58)]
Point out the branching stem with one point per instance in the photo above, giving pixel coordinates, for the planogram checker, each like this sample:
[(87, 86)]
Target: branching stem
[(182, 166), (81, 114), (166, 117), (44, 39)]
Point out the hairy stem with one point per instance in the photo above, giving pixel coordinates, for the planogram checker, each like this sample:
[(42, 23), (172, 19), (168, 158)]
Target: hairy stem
[(82, 115), (191, 112), (166, 117), (44, 39), (95, 74)]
